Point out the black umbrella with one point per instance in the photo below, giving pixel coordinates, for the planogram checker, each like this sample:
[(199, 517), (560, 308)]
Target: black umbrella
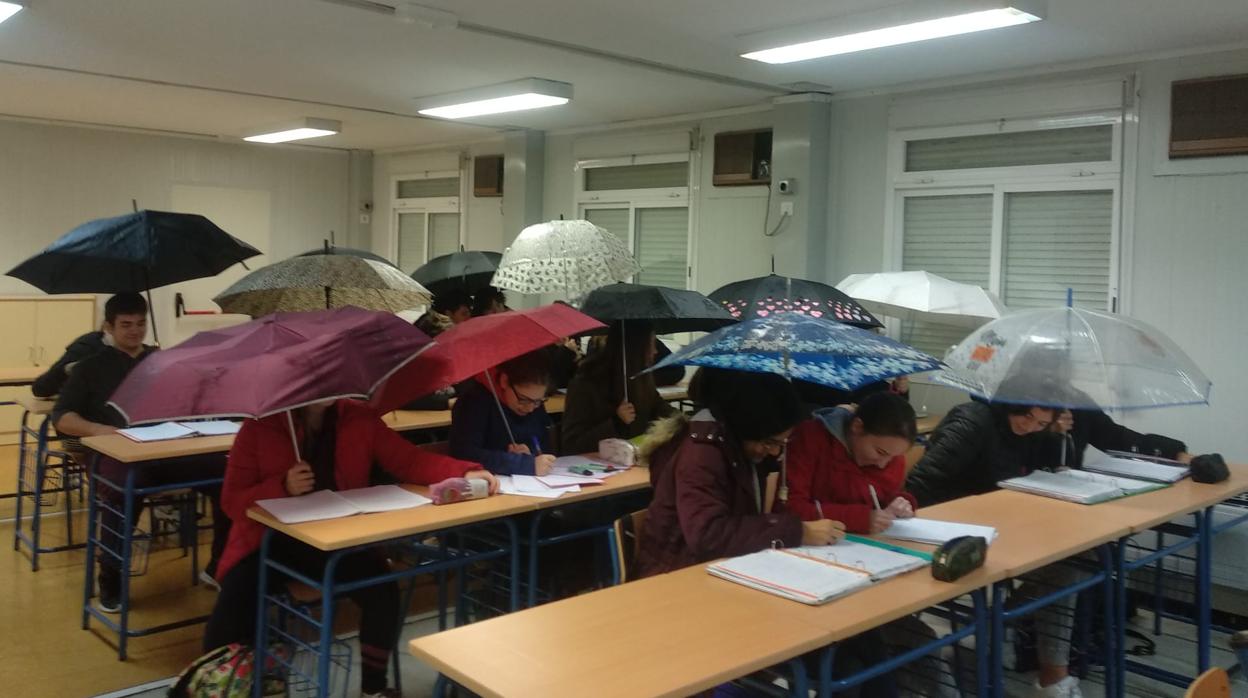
[(331, 249), (773, 294), (665, 309), (467, 272), (134, 253)]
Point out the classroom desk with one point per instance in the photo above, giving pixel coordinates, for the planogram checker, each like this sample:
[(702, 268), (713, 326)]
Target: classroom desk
[(125, 450), (32, 470), (22, 375), (411, 420), (927, 424)]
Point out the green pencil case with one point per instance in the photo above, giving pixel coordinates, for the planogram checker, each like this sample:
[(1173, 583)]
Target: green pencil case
[(959, 557)]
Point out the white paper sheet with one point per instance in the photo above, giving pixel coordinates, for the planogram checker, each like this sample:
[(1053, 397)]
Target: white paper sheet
[(314, 506), (936, 532), (584, 467), (215, 427), (569, 480), (383, 498), (1098, 461), (157, 432), (506, 485)]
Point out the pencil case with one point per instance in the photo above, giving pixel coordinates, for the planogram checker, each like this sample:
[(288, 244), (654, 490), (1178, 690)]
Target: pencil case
[(618, 451), (458, 489), (959, 557)]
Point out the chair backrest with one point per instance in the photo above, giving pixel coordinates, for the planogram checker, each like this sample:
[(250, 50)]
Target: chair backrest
[(1214, 683), (627, 530)]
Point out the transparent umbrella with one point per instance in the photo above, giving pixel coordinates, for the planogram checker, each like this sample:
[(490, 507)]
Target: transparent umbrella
[(1075, 358), (570, 258)]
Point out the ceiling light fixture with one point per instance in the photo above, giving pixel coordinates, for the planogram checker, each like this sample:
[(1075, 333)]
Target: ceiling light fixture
[(297, 130), (8, 8), (982, 16), (518, 95)]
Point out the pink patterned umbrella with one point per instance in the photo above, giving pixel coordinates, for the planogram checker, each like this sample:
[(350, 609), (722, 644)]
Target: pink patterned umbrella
[(275, 363)]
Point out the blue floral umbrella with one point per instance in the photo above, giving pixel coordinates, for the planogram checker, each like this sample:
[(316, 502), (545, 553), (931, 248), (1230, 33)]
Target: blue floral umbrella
[(802, 347)]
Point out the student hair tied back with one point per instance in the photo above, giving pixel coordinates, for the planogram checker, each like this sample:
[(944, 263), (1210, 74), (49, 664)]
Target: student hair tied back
[(886, 414)]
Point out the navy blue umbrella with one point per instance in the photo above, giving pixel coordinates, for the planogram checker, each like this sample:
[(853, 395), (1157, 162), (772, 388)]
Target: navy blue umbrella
[(135, 252)]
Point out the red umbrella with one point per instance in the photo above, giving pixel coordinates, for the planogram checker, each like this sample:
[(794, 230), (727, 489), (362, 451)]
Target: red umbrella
[(275, 363), (479, 344)]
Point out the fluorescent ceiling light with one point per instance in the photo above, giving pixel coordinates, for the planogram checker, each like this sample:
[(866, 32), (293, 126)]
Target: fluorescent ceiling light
[(894, 35), (519, 95), (8, 9), (298, 130)]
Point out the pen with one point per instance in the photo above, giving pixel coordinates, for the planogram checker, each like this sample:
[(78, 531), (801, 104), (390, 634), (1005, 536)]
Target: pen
[(819, 508), (874, 498), (537, 447)]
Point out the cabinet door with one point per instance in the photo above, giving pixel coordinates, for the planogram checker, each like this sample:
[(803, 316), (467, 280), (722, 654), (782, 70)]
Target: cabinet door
[(57, 324), (17, 346), (10, 425)]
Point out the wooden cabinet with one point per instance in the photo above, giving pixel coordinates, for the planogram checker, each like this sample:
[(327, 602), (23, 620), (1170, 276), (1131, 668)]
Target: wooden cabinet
[(742, 158), (57, 323), (17, 348)]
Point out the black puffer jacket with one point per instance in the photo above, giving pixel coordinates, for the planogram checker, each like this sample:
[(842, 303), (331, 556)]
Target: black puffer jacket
[(972, 449), (52, 380), (1098, 429)]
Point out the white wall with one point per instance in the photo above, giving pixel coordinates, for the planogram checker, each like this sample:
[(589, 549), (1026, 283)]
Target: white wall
[(53, 178)]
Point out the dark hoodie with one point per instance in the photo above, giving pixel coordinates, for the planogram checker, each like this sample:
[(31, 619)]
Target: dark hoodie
[(52, 380)]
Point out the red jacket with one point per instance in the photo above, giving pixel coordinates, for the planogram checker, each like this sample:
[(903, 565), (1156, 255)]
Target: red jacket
[(263, 452), (706, 503), (820, 468)]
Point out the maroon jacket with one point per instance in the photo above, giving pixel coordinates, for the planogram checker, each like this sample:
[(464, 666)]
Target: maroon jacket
[(706, 503)]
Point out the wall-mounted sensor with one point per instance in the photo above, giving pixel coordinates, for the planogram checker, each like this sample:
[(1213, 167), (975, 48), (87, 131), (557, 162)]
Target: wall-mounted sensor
[(786, 186)]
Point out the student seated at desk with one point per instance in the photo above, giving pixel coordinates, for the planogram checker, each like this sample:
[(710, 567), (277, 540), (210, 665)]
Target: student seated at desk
[(433, 324), (597, 408), (841, 461), (709, 474), (339, 442), (976, 445), (506, 429), (82, 410)]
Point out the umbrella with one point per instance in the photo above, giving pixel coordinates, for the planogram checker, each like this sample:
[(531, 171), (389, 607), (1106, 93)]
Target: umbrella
[(570, 258), (481, 343), (804, 347), (919, 295), (323, 281), (330, 249), (1074, 358), (269, 365), (469, 272), (767, 295), (133, 253)]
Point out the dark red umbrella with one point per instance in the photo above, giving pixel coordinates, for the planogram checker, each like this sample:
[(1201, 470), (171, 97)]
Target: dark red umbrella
[(479, 344), (275, 363)]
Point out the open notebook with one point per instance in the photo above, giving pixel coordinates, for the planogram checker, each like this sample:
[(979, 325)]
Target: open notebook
[(166, 431), (328, 504), (1079, 486), (1133, 465), (934, 532), (816, 575)]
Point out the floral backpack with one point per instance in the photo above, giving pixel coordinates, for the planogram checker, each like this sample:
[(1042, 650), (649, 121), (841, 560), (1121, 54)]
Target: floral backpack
[(226, 672)]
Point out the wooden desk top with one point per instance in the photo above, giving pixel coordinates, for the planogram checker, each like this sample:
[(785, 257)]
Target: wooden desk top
[(408, 420), (21, 375), (682, 632), (36, 405), (125, 450), (1145, 511), (335, 534), (630, 480), (927, 425)]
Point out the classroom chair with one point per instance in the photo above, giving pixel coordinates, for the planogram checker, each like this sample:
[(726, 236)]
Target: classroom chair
[(1214, 683), (626, 539)]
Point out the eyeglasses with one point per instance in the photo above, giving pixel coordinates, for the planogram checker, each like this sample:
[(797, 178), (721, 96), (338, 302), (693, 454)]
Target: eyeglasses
[(526, 401), (775, 444)]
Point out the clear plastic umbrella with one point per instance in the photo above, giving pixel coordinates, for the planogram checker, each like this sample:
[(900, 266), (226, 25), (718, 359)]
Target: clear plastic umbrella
[(920, 295), (1075, 358), (570, 258)]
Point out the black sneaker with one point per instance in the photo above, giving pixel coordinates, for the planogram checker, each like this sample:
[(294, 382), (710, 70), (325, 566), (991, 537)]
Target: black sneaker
[(109, 602)]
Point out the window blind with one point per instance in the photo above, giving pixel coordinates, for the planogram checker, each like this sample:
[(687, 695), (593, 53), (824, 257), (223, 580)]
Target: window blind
[(443, 234), (439, 187), (615, 220), (662, 246), (1047, 147), (1054, 241), (950, 236), (411, 241), (652, 176)]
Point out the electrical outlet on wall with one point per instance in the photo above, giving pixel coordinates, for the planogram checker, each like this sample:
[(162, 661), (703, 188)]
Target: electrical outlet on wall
[(786, 208), (364, 218)]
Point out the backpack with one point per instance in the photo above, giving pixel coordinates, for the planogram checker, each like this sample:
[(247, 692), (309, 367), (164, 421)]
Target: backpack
[(226, 672)]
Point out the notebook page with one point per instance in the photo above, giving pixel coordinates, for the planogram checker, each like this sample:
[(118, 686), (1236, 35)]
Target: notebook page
[(314, 506), (1098, 461), (506, 485), (383, 498), (157, 432), (214, 427), (874, 561), (935, 532), (791, 576)]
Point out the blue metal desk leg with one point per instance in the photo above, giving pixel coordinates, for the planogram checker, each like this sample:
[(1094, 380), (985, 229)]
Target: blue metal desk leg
[(1108, 558), (827, 657), (1118, 660), (983, 648), (93, 530), (513, 533), (441, 576), (998, 638), (262, 616), (801, 683), (1204, 587), (324, 650), (40, 468), (533, 538), (21, 469), (126, 536)]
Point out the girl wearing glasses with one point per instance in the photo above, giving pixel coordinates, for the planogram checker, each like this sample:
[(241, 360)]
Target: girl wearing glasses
[(501, 421)]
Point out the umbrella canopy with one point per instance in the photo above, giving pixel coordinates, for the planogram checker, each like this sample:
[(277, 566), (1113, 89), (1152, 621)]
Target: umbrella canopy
[(269, 365), (1075, 358), (133, 253), (570, 258), (319, 282), (468, 272), (330, 249), (767, 295), (476, 345), (803, 347), (666, 309), (919, 295)]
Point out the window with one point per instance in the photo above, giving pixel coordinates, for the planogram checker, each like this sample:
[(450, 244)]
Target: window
[(1026, 214), (644, 202), (425, 218)]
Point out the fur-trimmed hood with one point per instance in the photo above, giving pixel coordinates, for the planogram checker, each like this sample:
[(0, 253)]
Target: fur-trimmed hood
[(661, 432)]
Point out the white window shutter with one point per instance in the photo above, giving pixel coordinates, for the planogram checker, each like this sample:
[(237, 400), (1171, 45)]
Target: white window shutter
[(411, 241), (661, 246), (1056, 240), (443, 234)]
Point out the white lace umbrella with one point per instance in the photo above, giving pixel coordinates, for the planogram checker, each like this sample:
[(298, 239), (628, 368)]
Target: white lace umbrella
[(570, 258), (919, 295)]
